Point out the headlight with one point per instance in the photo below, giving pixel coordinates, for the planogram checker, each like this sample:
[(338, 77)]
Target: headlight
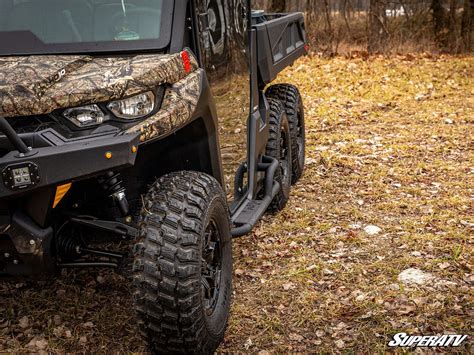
[(133, 107), (85, 116)]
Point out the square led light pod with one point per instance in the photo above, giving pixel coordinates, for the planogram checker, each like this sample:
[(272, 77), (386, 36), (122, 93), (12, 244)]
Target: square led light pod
[(21, 176)]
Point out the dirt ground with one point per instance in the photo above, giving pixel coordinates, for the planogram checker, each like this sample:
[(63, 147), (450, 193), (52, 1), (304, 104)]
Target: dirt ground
[(388, 188)]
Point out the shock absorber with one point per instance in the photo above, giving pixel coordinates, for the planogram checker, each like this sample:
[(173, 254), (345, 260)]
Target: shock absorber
[(112, 184), (68, 246)]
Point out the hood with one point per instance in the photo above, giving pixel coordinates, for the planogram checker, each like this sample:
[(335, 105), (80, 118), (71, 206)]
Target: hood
[(35, 85)]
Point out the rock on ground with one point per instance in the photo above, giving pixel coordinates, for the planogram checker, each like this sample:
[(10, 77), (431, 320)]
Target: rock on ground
[(415, 276)]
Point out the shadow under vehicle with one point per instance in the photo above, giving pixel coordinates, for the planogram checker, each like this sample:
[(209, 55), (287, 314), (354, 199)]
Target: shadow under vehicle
[(148, 122)]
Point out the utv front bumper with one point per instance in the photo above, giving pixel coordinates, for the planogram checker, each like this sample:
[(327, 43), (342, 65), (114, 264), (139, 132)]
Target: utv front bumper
[(40, 167), (25, 245)]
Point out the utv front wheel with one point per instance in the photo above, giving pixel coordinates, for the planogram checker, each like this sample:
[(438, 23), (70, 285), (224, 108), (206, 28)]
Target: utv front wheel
[(183, 265)]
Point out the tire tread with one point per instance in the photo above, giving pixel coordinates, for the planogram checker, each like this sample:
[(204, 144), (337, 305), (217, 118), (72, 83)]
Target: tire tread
[(290, 97), (277, 114), (166, 264)]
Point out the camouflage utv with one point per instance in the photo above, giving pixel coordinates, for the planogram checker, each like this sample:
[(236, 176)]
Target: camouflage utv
[(148, 121)]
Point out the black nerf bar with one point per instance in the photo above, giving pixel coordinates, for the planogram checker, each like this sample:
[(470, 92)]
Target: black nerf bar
[(69, 162)]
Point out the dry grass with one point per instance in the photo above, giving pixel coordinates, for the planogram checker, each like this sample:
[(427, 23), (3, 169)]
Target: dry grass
[(389, 144)]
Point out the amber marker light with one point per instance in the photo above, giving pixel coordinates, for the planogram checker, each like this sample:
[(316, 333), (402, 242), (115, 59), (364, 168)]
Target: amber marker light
[(61, 191)]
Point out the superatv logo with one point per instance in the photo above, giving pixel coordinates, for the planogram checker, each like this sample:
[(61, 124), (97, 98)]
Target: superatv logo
[(433, 341)]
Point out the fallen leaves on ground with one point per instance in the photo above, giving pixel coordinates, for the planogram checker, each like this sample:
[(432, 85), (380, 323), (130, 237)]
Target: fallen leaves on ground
[(390, 148), (377, 237)]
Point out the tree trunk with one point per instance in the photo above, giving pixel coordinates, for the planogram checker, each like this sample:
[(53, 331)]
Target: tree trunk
[(377, 32), (467, 24), (439, 19), (277, 6), (452, 27), (310, 10), (329, 30)]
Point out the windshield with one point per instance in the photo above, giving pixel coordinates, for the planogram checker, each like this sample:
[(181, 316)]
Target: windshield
[(77, 26)]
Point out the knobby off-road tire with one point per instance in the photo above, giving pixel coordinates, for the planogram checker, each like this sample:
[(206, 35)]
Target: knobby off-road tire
[(290, 96), (279, 147), (183, 265)]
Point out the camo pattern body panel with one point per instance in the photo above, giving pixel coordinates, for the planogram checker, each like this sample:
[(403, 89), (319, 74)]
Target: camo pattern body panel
[(38, 85), (179, 104)]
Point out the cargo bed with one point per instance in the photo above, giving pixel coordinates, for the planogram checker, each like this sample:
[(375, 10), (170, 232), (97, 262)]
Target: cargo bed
[(281, 39)]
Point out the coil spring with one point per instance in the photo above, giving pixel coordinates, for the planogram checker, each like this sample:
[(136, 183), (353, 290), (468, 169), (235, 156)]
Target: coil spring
[(68, 244), (111, 183)]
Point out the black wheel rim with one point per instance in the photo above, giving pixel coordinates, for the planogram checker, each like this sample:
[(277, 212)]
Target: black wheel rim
[(284, 157), (211, 271)]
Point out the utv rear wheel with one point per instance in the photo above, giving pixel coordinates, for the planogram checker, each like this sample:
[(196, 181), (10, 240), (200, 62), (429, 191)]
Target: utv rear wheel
[(183, 265), (291, 99), (279, 147)]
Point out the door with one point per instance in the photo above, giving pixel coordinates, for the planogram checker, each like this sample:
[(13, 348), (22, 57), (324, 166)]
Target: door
[(223, 45)]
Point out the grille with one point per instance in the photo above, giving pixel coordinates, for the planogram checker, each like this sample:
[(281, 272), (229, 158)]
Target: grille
[(30, 124)]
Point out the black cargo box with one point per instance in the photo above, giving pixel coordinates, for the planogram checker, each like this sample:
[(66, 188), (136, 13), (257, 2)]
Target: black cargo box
[(281, 39)]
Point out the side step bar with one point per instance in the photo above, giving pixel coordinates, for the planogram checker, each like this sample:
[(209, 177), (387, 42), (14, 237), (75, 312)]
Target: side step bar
[(250, 212)]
